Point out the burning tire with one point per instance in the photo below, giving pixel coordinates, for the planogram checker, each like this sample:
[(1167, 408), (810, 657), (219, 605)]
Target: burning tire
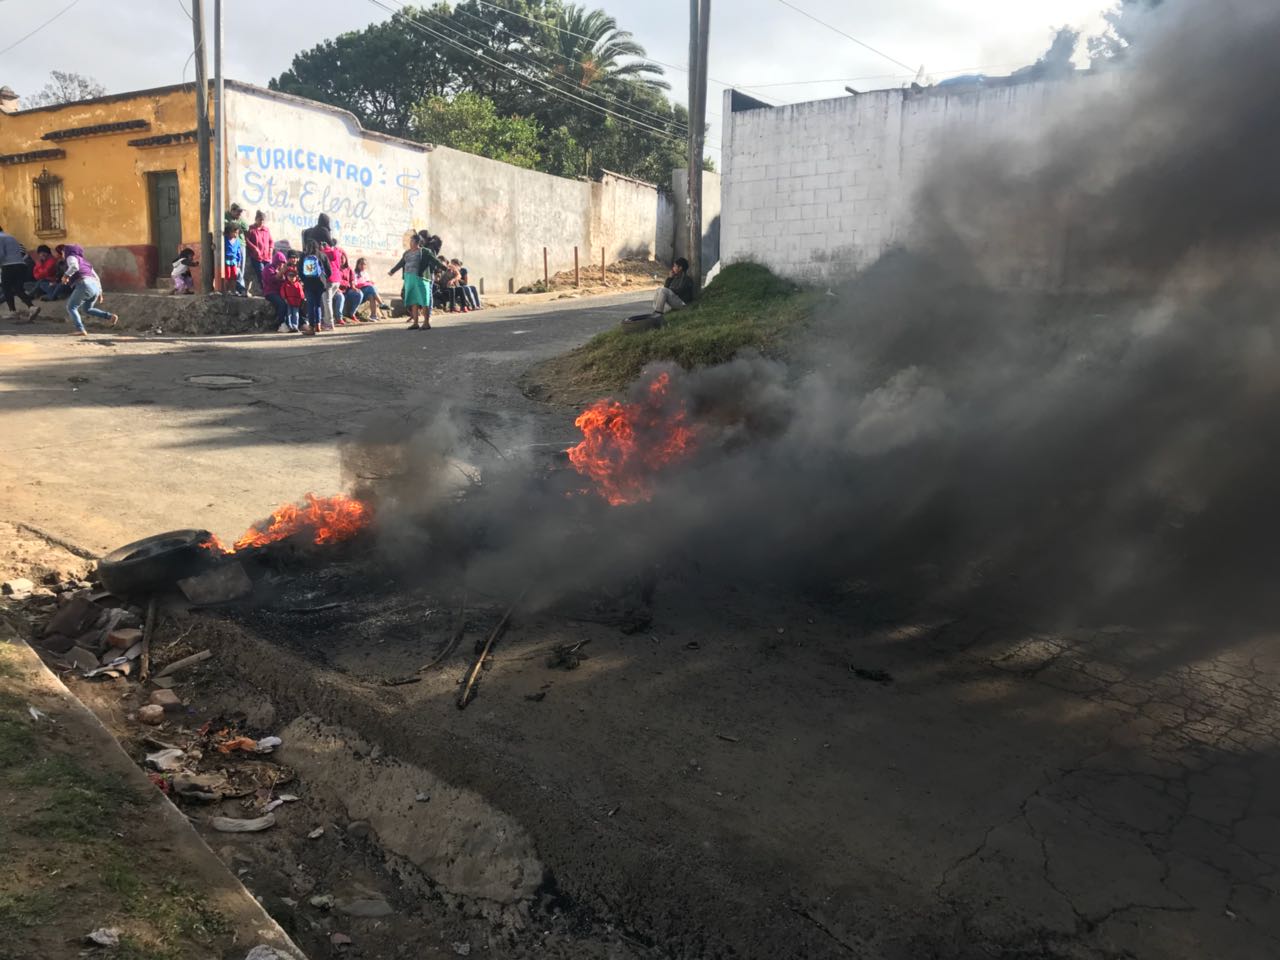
[(641, 322), (155, 563)]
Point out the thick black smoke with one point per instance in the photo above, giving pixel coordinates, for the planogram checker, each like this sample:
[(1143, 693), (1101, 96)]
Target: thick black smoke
[(1101, 438)]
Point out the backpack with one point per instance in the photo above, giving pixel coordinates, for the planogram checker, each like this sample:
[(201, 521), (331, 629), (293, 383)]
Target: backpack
[(311, 265)]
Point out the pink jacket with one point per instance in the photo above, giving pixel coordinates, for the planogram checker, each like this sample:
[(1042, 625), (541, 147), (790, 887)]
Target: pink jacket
[(335, 265), (259, 242)]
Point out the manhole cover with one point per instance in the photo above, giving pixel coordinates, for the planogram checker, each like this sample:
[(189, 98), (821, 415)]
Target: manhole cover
[(220, 380)]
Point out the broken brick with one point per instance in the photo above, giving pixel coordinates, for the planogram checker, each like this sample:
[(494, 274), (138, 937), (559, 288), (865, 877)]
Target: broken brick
[(122, 638), (165, 699)]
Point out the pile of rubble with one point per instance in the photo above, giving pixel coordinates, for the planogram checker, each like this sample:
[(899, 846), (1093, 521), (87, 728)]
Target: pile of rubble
[(86, 631)]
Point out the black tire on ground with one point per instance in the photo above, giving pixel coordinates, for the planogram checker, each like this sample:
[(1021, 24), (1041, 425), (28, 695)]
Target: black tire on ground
[(641, 322), (155, 563)]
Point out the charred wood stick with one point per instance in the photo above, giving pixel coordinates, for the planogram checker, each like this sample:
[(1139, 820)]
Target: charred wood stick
[(468, 689), (454, 641), (148, 629), (185, 662)]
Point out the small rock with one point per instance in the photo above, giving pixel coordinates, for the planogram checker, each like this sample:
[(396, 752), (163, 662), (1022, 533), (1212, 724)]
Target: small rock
[(339, 940), (365, 908), (422, 797), (322, 901), (165, 700), (164, 683), (104, 937), (151, 715), (166, 761), (461, 948), (122, 638), (81, 659), (316, 834), (57, 643), (19, 588), (263, 952), (359, 829)]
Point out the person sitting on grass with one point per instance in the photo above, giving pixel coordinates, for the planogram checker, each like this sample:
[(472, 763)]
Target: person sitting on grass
[(677, 293)]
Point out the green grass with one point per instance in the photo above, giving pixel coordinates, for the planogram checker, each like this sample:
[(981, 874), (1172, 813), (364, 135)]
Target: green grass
[(745, 307), (29, 909), (79, 802)]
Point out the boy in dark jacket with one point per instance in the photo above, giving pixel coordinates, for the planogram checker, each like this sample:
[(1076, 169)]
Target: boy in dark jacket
[(678, 291)]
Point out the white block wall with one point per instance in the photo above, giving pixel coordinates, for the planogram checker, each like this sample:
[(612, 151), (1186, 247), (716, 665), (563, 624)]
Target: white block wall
[(816, 190)]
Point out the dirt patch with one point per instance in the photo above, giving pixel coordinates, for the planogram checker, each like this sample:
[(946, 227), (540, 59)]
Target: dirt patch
[(619, 275)]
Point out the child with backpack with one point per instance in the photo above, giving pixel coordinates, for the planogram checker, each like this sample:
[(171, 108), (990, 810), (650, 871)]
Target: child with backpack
[(314, 273)]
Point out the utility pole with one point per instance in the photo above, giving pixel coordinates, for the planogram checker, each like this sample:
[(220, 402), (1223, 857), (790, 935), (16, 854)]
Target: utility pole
[(202, 147), (219, 124), (699, 42)]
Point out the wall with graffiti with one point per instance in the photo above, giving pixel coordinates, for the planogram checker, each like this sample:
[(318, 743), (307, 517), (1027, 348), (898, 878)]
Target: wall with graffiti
[(295, 159)]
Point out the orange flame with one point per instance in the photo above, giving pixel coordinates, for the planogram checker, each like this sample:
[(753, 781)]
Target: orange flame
[(625, 444), (328, 519)]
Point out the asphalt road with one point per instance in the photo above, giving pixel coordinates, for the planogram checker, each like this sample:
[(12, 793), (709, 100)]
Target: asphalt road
[(106, 439)]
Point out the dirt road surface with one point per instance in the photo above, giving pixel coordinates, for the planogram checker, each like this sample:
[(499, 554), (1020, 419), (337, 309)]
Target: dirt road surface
[(753, 775)]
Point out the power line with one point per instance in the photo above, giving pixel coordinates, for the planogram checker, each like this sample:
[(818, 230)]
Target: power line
[(41, 27), (848, 36), (569, 84), (536, 81), (570, 33)]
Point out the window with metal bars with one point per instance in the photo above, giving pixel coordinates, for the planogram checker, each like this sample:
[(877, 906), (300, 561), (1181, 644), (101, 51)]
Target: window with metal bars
[(49, 210)]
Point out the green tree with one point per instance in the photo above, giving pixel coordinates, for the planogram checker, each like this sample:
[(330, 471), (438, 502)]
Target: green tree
[(470, 122)]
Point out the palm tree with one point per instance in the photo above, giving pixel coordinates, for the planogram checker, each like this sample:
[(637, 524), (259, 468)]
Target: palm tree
[(589, 45)]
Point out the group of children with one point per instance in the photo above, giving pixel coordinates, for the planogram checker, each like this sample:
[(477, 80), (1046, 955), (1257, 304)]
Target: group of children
[(317, 288)]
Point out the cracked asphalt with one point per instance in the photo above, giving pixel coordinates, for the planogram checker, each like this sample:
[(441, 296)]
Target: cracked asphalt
[(1007, 791)]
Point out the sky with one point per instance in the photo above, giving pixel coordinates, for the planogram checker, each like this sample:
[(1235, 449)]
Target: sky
[(763, 45)]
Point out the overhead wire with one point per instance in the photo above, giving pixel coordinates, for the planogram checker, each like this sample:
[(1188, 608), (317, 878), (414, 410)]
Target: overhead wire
[(532, 80), (847, 36), (646, 59), (28, 36), (569, 84)]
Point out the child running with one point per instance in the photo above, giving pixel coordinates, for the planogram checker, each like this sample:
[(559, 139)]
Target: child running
[(183, 281)]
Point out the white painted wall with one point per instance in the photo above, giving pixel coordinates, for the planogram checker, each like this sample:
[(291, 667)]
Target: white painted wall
[(294, 159), (822, 189)]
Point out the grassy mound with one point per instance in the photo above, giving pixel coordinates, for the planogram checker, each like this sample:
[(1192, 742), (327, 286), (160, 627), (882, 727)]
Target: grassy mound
[(746, 306)]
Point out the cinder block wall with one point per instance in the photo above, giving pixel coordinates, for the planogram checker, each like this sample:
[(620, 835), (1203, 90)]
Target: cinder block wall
[(821, 189)]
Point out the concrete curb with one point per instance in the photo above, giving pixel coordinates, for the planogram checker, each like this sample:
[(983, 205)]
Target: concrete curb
[(109, 751)]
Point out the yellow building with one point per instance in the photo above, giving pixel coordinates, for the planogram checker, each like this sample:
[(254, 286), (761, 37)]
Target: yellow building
[(117, 175)]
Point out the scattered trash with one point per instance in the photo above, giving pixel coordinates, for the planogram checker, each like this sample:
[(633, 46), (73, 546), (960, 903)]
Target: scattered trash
[(104, 937), (536, 697), (322, 901), (267, 744), (461, 948), (18, 588), (422, 797), (166, 761), (272, 805), (288, 798), (151, 715), (232, 825), (122, 638), (247, 744), (727, 738), (566, 656), (165, 700), (316, 834), (222, 584), (37, 715), (184, 663), (875, 676), (197, 786)]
